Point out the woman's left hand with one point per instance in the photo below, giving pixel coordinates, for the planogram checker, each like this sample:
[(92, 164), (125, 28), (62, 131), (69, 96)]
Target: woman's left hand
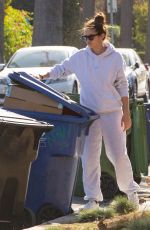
[(126, 121)]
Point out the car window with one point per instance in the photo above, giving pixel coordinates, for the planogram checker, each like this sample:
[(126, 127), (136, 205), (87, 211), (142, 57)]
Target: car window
[(126, 58), (137, 58), (134, 58), (37, 58), (56, 57)]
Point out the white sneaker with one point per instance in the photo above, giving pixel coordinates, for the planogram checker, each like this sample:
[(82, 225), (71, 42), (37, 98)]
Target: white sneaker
[(133, 197), (92, 204)]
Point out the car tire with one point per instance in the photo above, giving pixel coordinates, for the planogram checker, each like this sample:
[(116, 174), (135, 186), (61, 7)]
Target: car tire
[(109, 186), (75, 88), (137, 179), (25, 220)]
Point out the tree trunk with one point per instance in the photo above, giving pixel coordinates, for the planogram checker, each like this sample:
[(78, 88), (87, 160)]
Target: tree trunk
[(74, 15), (88, 9), (23, 5), (126, 23), (2, 2), (147, 55), (71, 23), (48, 22), (87, 12)]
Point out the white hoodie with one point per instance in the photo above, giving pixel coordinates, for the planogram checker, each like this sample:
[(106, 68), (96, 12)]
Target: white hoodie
[(102, 78)]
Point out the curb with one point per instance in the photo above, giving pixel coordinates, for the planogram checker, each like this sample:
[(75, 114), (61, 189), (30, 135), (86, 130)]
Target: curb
[(69, 219)]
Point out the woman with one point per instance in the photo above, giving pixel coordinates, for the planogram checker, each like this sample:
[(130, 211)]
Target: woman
[(104, 89)]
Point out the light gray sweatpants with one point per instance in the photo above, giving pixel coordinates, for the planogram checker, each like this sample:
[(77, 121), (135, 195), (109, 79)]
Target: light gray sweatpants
[(109, 127)]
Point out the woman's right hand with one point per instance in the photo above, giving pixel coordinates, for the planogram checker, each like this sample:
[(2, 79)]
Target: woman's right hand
[(41, 76), (37, 76)]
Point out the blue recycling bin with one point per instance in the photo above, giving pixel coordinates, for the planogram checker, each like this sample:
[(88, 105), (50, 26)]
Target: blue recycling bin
[(19, 138), (53, 174)]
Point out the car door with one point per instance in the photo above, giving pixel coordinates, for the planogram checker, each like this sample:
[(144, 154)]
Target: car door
[(59, 84)]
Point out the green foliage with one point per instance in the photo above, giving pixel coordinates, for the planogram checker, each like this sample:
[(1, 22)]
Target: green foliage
[(122, 205), (140, 12), (74, 97), (139, 224), (116, 31), (95, 214), (17, 30)]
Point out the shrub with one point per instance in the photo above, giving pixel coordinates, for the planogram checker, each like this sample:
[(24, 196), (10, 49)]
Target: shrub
[(122, 205), (116, 32), (139, 224), (17, 30), (97, 214), (140, 14)]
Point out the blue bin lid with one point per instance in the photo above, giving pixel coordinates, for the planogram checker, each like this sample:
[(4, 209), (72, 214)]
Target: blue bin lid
[(33, 83)]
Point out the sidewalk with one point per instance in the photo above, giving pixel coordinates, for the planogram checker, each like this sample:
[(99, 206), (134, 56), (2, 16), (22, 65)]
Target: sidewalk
[(78, 202)]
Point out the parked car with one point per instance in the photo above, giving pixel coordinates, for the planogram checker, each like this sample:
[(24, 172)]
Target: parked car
[(136, 73), (38, 60)]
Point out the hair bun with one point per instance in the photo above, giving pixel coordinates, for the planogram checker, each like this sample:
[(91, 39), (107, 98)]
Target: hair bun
[(99, 18)]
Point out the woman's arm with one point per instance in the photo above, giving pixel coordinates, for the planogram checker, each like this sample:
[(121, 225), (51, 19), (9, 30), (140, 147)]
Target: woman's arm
[(126, 119), (59, 70), (121, 86)]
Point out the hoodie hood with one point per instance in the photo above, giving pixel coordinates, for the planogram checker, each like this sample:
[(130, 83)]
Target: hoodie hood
[(110, 49)]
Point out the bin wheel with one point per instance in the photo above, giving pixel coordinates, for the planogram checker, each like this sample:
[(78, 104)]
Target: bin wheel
[(25, 220), (138, 179), (8, 198), (71, 211), (109, 186), (48, 212)]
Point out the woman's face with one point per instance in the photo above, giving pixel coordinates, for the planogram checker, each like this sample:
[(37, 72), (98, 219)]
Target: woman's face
[(92, 38)]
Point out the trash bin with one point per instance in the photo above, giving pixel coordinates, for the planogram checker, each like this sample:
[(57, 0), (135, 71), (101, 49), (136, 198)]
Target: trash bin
[(139, 141), (147, 114), (53, 174), (19, 138)]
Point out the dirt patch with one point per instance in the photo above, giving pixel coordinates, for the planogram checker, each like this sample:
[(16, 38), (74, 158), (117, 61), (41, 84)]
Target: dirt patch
[(119, 222)]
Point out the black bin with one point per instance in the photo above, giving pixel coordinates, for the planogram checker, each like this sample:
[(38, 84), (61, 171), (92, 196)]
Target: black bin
[(19, 138)]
